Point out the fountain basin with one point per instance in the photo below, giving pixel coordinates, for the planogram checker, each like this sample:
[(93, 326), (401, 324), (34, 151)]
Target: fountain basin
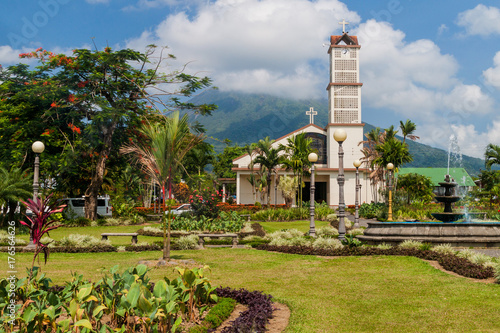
[(458, 234)]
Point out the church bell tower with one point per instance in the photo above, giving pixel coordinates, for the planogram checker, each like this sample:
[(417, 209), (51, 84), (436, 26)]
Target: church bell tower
[(344, 97)]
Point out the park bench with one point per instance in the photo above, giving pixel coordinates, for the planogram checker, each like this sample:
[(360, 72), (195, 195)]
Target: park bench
[(133, 234), (201, 241)]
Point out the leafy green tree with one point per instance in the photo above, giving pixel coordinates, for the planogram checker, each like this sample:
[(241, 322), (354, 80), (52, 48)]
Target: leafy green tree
[(392, 151), (161, 157), (489, 179), (106, 93), (269, 159), (491, 155), (15, 186), (223, 162), (416, 187)]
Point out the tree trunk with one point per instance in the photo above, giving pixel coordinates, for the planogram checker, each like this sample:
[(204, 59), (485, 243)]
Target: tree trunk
[(97, 179)]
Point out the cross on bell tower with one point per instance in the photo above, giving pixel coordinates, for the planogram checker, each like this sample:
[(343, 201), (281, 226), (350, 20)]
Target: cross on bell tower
[(311, 113), (343, 25)]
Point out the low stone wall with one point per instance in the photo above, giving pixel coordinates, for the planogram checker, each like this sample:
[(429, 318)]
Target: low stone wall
[(458, 234)]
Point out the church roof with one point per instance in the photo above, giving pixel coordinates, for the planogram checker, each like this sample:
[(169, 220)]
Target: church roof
[(349, 40), (437, 175)]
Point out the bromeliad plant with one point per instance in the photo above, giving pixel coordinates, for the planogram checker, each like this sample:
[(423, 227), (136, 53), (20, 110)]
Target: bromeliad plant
[(41, 222)]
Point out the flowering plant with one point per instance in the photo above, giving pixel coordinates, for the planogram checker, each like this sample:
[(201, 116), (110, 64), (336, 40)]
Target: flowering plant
[(204, 202)]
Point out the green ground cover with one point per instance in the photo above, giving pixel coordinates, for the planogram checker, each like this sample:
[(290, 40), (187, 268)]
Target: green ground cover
[(347, 294), (303, 225)]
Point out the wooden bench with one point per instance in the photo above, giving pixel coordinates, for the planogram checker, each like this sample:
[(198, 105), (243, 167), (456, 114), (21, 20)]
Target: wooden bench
[(133, 234), (201, 241)]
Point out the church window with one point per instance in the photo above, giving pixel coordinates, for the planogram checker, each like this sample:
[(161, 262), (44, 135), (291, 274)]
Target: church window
[(318, 144)]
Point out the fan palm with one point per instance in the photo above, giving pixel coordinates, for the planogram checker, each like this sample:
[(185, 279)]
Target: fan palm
[(168, 142), (15, 187)]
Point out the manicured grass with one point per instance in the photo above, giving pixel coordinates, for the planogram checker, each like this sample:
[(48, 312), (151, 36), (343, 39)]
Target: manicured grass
[(348, 294), (303, 226)]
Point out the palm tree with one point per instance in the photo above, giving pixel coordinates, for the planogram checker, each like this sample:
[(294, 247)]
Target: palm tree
[(297, 151), (408, 128), (169, 141), (491, 155), (269, 159), (15, 187)]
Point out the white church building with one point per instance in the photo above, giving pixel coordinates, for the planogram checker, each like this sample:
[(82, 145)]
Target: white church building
[(344, 112)]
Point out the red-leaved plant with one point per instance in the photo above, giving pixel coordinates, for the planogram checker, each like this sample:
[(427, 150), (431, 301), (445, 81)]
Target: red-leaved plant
[(40, 223)]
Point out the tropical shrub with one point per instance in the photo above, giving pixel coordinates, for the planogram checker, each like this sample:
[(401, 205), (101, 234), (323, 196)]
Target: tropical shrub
[(187, 242), (371, 210), (204, 202), (327, 232), (40, 223), (128, 301), (443, 248), (327, 243), (410, 244)]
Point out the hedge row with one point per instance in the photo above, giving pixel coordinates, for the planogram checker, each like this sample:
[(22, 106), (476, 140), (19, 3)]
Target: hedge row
[(449, 262)]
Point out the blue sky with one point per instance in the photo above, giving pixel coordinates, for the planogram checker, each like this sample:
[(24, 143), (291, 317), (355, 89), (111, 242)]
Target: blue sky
[(434, 62)]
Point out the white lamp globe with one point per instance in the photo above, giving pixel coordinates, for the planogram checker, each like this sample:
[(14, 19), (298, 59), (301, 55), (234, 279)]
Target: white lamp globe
[(357, 163), (38, 147), (340, 135), (313, 157)]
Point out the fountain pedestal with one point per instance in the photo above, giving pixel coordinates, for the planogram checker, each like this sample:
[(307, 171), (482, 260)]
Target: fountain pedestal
[(448, 199)]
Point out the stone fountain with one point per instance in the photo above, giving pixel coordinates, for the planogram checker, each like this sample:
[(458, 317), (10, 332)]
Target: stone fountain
[(447, 199), (448, 231)]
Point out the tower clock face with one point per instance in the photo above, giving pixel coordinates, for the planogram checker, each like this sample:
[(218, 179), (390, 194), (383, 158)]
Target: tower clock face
[(344, 53)]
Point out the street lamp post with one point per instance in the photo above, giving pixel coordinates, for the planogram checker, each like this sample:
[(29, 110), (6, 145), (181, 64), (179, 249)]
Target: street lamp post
[(313, 158), (340, 135), (38, 147), (357, 164), (390, 166)]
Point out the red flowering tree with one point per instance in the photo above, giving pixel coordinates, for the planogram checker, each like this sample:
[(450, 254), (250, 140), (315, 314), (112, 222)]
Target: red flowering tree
[(102, 96)]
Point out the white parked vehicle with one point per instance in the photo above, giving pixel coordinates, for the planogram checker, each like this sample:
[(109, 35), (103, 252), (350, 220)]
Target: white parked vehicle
[(181, 209), (76, 206)]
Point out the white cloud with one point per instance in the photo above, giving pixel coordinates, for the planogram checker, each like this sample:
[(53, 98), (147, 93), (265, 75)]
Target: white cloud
[(442, 29), (268, 40), (413, 79), (8, 55), (481, 20), (492, 74)]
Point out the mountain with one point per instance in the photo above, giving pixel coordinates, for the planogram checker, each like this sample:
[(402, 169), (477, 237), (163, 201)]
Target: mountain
[(246, 118)]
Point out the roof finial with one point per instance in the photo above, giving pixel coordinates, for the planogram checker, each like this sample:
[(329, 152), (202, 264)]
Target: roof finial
[(343, 25)]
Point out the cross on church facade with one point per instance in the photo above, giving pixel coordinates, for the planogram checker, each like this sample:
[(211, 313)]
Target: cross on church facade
[(343, 25), (311, 113)]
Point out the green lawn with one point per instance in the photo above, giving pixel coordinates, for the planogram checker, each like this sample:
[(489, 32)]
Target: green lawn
[(348, 294)]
